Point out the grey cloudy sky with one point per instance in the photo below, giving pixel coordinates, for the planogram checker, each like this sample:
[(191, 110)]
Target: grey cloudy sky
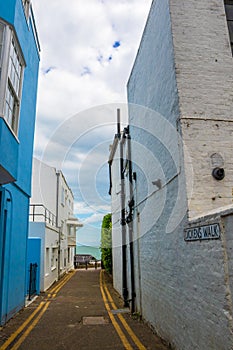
[(87, 52)]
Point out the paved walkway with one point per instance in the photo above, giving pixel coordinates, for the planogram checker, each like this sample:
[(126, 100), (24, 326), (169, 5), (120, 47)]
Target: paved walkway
[(82, 311)]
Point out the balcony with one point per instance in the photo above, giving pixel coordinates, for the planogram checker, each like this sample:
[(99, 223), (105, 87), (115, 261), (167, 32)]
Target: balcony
[(72, 224), (39, 213), (9, 147), (71, 241)]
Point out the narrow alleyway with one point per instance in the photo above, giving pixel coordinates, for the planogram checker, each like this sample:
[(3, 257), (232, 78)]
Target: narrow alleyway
[(82, 311)]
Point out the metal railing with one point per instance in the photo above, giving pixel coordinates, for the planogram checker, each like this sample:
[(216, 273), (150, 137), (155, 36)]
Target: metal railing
[(39, 213)]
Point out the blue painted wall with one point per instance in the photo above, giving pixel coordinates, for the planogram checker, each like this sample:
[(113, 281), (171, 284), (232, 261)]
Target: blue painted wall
[(38, 229), (15, 198)]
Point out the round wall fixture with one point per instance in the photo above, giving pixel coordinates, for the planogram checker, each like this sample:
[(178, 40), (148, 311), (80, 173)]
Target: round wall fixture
[(218, 173)]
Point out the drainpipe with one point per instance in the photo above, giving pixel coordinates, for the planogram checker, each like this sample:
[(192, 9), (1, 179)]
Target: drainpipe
[(113, 150), (129, 220), (57, 225), (123, 220)]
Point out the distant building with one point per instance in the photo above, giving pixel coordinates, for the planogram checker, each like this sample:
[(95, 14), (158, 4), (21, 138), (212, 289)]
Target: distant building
[(52, 220), (19, 62), (172, 177), (81, 260)]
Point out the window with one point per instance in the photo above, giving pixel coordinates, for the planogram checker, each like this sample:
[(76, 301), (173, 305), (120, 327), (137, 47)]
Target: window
[(11, 74), (69, 255), (53, 259), (47, 265), (229, 16), (65, 257), (66, 197), (2, 28), (26, 5), (12, 98), (62, 196)]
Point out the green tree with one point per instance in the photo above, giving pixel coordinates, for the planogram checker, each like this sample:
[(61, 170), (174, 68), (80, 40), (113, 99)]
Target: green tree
[(106, 243)]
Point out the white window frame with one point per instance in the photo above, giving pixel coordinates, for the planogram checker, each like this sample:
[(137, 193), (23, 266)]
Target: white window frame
[(26, 7), (53, 259), (229, 5), (2, 32), (12, 69)]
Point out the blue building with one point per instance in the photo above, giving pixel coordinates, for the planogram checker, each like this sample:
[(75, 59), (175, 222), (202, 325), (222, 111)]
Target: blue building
[(19, 62)]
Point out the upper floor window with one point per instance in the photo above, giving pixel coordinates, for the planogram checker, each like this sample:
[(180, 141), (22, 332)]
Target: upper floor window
[(12, 99), (229, 16), (2, 27), (62, 196), (26, 5), (11, 74)]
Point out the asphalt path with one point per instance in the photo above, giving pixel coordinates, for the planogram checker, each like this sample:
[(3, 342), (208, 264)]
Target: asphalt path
[(81, 311)]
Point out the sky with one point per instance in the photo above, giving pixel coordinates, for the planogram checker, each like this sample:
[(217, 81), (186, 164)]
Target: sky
[(87, 52)]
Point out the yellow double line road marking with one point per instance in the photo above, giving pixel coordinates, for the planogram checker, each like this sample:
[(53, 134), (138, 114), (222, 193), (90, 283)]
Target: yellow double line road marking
[(108, 300), (30, 328), (115, 324), (44, 306), (53, 292), (21, 328)]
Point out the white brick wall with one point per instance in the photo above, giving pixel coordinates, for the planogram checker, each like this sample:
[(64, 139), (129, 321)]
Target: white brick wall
[(203, 60), (183, 288), (116, 228), (202, 139)]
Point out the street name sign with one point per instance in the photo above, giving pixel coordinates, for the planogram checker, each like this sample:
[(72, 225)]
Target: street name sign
[(200, 233)]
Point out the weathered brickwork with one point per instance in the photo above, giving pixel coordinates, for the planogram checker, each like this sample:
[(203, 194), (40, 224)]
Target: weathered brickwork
[(203, 60), (203, 140), (184, 73)]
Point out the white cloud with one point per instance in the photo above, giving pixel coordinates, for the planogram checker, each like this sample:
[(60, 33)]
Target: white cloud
[(80, 69), (73, 37), (95, 218)]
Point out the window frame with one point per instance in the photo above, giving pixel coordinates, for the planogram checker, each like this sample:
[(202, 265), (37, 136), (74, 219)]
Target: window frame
[(53, 259), (26, 6), (10, 46), (228, 3)]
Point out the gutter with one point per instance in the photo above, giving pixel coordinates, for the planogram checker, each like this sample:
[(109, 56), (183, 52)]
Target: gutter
[(113, 149)]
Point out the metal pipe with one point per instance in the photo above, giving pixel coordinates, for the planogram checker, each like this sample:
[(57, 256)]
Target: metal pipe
[(113, 148), (130, 224), (110, 178), (123, 220), (118, 121), (57, 222)]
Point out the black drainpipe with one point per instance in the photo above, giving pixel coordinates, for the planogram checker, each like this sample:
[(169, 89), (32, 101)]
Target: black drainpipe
[(57, 223), (129, 220), (123, 219)]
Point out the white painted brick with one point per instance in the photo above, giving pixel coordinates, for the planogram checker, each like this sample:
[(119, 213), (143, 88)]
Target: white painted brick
[(203, 59), (183, 71)]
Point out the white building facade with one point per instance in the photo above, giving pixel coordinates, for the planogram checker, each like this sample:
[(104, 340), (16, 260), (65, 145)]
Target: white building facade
[(52, 219), (172, 177)]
